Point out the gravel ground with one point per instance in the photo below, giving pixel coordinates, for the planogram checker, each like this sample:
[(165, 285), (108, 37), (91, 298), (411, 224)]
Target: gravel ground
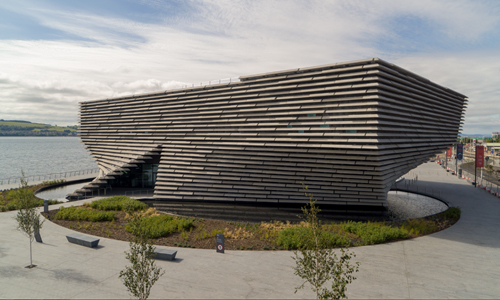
[(403, 206)]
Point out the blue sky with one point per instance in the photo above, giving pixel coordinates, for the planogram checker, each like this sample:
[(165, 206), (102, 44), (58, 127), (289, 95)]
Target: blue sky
[(54, 54)]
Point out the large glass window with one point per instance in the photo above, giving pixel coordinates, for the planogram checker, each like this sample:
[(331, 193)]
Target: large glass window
[(143, 176), (147, 175)]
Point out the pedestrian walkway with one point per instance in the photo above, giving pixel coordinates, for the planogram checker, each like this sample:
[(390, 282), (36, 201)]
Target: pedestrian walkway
[(4, 187), (459, 262)]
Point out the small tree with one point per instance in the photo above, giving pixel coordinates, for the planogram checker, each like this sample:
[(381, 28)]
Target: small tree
[(317, 264), (140, 277), (28, 218)]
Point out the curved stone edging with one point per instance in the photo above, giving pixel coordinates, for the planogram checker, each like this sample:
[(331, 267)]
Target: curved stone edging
[(62, 184), (423, 194)]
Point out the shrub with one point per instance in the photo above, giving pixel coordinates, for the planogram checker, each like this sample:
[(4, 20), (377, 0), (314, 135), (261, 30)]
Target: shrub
[(374, 233), (157, 226), (11, 194), (55, 181), (40, 202), (84, 214), (238, 234), (15, 195), (184, 224), (298, 237), (216, 231), (14, 203), (3, 208), (52, 202), (451, 213), (145, 213), (419, 226), (119, 203)]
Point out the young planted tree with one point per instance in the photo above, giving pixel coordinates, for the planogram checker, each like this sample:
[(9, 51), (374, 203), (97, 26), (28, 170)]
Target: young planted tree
[(140, 277), (28, 218), (317, 264)]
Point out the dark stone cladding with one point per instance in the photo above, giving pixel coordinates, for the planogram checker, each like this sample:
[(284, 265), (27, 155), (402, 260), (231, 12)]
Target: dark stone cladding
[(346, 130)]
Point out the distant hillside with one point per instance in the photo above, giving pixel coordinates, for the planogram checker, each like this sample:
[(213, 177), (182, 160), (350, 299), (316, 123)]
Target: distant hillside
[(26, 128)]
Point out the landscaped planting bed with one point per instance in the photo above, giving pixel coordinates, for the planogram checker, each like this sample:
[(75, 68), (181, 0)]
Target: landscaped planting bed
[(179, 231), (8, 198)]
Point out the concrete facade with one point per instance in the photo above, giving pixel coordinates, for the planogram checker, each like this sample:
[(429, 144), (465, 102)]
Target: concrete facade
[(346, 130)]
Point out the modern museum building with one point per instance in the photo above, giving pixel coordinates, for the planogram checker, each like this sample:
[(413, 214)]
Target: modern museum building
[(346, 130)]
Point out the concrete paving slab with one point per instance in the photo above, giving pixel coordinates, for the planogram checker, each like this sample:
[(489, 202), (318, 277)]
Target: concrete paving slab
[(460, 262)]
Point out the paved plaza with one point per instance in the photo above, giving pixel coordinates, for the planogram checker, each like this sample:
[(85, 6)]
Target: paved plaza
[(460, 262)]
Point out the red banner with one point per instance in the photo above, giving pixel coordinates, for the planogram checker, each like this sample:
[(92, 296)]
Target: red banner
[(448, 152), (480, 156)]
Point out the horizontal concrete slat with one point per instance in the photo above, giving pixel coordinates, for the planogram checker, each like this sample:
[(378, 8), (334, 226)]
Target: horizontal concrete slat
[(349, 128)]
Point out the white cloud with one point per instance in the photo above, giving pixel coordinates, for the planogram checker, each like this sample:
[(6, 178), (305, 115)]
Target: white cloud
[(471, 74), (218, 39), (144, 86)]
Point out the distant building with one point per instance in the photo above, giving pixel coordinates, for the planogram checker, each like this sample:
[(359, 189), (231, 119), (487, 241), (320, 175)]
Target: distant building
[(492, 148), (495, 135), (346, 130)]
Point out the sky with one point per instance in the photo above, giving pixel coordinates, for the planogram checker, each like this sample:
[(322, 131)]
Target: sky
[(56, 53)]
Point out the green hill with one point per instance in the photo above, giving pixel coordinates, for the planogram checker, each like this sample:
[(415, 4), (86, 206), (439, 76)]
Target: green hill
[(26, 128)]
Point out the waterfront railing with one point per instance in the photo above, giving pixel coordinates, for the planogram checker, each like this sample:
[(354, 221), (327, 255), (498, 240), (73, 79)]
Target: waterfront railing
[(51, 176), (213, 82), (409, 184), (108, 191)]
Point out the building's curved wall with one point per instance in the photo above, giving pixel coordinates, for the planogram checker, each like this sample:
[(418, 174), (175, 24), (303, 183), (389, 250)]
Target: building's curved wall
[(346, 130)]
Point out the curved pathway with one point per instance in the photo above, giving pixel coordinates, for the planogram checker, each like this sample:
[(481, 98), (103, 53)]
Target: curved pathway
[(460, 262)]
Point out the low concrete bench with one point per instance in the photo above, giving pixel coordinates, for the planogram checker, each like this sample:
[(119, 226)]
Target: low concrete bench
[(83, 240), (165, 254)]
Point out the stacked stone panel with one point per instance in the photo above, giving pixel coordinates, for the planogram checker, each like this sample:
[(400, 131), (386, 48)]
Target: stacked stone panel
[(346, 130)]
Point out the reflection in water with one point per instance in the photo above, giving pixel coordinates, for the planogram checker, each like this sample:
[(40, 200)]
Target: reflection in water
[(60, 193), (403, 205)]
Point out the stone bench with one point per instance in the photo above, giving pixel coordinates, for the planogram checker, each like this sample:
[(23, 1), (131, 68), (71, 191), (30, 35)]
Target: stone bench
[(165, 254), (83, 240)]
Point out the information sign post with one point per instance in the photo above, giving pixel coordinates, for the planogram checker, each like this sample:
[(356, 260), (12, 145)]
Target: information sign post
[(479, 161), (480, 157), (220, 242), (448, 155), (460, 156), (460, 151)]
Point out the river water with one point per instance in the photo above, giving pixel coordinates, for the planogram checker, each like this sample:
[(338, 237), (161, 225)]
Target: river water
[(61, 192), (42, 155)]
